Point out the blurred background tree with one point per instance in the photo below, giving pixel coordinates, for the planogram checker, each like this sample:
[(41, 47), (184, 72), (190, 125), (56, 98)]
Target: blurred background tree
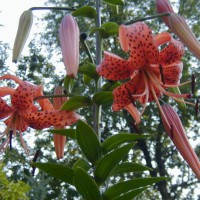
[(158, 152)]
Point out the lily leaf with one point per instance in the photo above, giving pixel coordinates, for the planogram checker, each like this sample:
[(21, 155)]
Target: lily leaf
[(86, 186), (114, 2), (88, 141), (58, 171), (102, 98), (85, 11), (70, 133), (132, 194), (129, 167), (82, 163), (88, 69), (114, 141), (110, 86), (76, 102), (108, 162), (126, 186), (109, 29)]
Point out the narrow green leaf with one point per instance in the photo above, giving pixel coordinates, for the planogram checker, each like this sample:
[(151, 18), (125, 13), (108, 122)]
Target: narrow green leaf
[(70, 133), (108, 162), (110, 86), (82, 163), (88, 69), (129, 167), (125, 186), (109, 29), (88, 141), (58, 171), (85, 11), (76, 102), (103, 98), (86, 186), (132, 194), (114, 2), (114, 141)]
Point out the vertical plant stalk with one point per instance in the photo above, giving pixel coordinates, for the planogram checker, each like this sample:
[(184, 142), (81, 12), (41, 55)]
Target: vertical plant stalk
[(98, 57)]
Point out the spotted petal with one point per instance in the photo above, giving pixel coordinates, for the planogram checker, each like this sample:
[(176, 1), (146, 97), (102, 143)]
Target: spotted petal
[(45, 119), (115, 68), (139, 40), (23, 98), (5, 110)]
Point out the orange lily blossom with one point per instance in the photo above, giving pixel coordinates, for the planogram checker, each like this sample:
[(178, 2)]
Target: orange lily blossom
[(175, 130), (148, 71), (59, 140), (23, 113)]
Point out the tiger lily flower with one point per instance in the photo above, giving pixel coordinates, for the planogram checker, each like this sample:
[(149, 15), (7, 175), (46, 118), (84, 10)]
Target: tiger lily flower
[(148, 71), (69, 40), (23, 113), (175, 130), (59, 140)]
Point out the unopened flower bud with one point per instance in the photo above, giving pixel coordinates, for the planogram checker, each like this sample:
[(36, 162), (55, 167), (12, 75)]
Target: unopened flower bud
[(24, 27), (179, 26), (164, 6), (69, 40), (175, 130)]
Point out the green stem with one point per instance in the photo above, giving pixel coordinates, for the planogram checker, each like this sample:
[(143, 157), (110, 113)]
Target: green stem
[(147, 18), (52, 8), (98, 56)]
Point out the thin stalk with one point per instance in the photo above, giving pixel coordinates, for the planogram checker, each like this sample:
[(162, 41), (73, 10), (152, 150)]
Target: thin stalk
[(147, 18), (52, 8), (98, 56)]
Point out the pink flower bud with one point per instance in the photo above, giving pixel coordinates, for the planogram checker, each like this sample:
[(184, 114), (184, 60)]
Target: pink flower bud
[(69, 41), (175, 130), (164, 6), (179, 26)]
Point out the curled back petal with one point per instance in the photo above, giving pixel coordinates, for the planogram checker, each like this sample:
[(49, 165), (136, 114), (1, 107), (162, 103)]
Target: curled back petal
[(123, 94), (45, 119), (114, 68), (6, 91), (172, 52), (12, 77), (142, 46), (5, 110), (23, 98), (162, 38)]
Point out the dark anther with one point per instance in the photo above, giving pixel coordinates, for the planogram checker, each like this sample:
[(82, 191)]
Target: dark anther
[(135, 127), (83, 36), (34, 160), (161, 73), (193, 83), (10, 135), (197, 107), (171, 131)]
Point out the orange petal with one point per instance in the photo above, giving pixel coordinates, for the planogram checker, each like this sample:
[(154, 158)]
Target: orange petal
[(45, 119), (172, 52), (134, 112), (6, 91), (123, 94), (59, 143), (12, 77), (140, 41), (175, 130), (23, 98), (115, 68), (5, 110)]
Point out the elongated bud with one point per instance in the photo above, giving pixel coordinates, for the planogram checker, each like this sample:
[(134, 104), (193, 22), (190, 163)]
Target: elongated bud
[(179, 26), (24, 27), (69, 40), (59, 140), (164, 6), (175, 130)]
